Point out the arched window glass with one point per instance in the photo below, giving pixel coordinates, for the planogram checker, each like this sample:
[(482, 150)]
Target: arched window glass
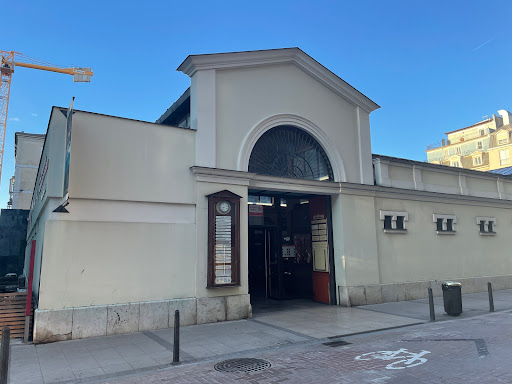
[(287, 151)]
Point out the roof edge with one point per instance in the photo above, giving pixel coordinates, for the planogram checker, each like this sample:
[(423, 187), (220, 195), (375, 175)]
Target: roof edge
[(471, 126), (294, 55), (445, 168)]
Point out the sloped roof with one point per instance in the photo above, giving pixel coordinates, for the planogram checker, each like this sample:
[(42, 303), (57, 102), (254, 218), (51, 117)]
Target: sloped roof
[(470, 126), (294, 55), (502, 171), (507, 127)]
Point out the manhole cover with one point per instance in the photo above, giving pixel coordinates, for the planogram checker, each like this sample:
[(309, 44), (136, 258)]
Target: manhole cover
[(338, 343), (242, 365)]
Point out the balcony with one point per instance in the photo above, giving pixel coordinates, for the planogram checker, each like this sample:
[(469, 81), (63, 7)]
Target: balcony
[(439, 144)]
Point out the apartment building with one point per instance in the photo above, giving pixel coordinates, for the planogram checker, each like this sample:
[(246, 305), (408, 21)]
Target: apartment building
[(484, 146)]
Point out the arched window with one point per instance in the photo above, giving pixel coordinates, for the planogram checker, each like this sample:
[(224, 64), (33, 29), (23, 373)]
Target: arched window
[(287, 151)]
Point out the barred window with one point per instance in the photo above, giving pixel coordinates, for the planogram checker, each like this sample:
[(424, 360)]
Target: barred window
[(287, 151)]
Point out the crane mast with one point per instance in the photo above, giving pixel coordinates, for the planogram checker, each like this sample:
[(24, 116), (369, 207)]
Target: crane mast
[(8, 61), (6, 72)]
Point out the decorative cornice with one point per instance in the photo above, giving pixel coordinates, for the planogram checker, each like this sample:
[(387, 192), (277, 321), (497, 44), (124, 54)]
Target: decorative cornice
[(194, 63), (295, 185), (252, 180), (223, 176), (424, 196)]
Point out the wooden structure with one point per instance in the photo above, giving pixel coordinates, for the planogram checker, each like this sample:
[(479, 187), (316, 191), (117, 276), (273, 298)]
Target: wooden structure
[(12, 312)]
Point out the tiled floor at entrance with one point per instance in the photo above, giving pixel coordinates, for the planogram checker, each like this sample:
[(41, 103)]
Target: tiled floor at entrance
[(316, 320)]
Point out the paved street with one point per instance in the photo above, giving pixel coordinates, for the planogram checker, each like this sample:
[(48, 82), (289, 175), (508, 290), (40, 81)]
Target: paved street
[(471, 350), (291, 335), (273, 326)]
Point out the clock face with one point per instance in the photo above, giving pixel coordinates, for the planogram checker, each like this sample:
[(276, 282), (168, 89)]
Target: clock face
[(223, 207)]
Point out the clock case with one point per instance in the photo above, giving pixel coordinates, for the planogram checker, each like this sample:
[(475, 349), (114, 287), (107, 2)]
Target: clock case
[(234, 200)]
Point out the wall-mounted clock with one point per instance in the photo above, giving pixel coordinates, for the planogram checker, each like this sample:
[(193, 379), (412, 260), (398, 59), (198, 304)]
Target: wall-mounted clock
[(223, 240), (223, 207)]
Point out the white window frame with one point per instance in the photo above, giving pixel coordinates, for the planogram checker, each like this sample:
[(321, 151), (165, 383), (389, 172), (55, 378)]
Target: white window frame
[(394, 215), (445, 219), (486, 221), (458, 150), (502, 138), (504, 160), (477, 160), (479, 145)]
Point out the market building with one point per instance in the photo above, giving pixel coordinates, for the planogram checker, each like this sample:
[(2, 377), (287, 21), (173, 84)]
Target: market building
[(258, 183)]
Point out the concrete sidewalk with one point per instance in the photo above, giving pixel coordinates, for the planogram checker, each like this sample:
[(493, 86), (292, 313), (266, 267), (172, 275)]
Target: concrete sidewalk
[(472, 304), (274, 325)]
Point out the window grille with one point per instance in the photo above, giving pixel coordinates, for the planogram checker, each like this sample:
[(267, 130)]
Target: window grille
[(287, 151)]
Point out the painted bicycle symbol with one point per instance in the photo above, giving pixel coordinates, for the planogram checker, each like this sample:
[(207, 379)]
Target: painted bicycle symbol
[(405, 359)]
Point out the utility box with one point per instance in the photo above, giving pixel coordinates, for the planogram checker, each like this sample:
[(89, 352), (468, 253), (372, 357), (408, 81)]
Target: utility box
[(452, 298)]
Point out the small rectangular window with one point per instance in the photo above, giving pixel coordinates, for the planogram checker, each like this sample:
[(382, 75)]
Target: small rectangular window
[(394, 222), (387, 222), (487, 225), (445, 224), (482, 132), (400, 222), (479, 145), (504, 157), (458, 150)]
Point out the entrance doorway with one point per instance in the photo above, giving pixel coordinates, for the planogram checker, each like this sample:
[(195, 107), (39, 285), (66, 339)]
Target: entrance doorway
[(290, 247)]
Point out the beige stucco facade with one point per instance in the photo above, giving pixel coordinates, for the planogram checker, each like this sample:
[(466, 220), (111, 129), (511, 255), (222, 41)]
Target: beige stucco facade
[(133, 246), (484, 146)]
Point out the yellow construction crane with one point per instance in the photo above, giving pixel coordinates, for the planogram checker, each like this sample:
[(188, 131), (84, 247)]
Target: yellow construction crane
[(11, 60)]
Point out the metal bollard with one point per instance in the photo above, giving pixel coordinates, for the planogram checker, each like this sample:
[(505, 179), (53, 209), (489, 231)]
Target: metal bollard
[(491, 299), (176, 345), (4, 363), (431, 305)]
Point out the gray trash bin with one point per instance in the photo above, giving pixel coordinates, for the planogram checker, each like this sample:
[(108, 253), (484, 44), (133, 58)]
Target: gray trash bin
[(452, 298)]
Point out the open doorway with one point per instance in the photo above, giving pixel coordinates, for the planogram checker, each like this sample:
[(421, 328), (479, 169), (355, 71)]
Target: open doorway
[(290, 247)]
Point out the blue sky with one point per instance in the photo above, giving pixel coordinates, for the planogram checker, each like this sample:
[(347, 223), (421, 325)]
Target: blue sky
[(432, 66)]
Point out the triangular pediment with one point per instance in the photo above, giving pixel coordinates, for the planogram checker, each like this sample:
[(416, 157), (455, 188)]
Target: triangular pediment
[(225, 194), (296, 56)]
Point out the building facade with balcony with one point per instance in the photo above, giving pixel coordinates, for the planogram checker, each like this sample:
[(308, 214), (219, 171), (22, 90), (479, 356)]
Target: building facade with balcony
[(483, 146)]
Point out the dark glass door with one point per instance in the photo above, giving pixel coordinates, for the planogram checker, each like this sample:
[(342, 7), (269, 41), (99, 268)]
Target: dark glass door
[(263, 269)]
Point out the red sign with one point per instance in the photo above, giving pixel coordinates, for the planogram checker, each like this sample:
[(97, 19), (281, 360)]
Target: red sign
[(256, 210)]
